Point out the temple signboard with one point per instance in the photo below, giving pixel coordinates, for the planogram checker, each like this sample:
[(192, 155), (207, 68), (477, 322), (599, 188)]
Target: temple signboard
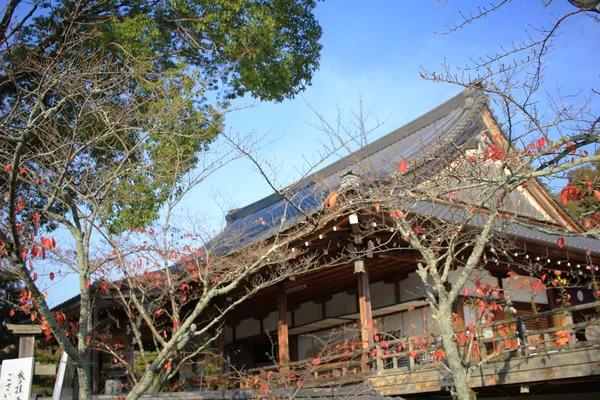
[(16, 379)]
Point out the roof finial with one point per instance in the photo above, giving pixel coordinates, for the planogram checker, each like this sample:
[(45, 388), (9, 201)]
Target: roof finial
[(349, 181)]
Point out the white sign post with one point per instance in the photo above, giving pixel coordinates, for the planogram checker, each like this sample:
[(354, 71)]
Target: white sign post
[(16, 379), (60, 376)]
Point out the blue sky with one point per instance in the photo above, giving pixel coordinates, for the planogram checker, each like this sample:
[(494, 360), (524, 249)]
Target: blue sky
[(375, 50)]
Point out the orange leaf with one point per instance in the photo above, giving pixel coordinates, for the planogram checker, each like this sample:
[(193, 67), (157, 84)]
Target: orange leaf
[(597, 194), (11, 313), (332, 199), (402, 166), (561, 242), (36, 218), (377, 208), (298, 383)]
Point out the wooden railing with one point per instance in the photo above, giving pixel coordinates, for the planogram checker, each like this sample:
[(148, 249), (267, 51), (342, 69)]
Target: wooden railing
[(505, 338), (334, 367)]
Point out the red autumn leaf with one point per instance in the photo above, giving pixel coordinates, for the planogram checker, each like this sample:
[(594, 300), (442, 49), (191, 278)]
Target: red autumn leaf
[(167, 365), (299, 383), (36, 218), (51, 276), (87, 284), (7, 167), (332, 199), (597, 194), (472, 211), (571, 145), (561, 242), (34, 251), (316, 361), (466, 292), (11, 313), (541, 142), (402, 166), (35, 276)]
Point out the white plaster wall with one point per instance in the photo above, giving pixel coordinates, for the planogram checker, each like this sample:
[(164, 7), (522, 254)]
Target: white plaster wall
[(335, 306), (247, 327), (228, 335), (411, 288), (392, 322), (270, 322), (477, 275), (471, 315), (412, 323), (428, 321), (382, 294), (350, 303), (308, 312), (304, 344), (524, 292)]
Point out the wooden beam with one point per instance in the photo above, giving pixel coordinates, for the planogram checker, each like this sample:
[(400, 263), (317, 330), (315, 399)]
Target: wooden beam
[(282, 327), (366, 316)]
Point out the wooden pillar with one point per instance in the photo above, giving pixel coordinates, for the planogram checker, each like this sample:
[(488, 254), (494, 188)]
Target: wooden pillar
[(282, 327), (366, 315), (557, 319)]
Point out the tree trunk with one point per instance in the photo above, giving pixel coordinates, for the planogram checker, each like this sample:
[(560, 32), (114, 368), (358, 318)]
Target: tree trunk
[(455, 362), (84, 382)]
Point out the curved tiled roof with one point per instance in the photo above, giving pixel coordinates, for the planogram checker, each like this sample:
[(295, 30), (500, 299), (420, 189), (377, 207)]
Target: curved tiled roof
[(454, 124)]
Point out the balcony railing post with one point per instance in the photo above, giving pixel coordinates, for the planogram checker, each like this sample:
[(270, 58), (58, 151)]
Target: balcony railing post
[(410, 359), (379, 364), (522, 333), (569, 323)]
